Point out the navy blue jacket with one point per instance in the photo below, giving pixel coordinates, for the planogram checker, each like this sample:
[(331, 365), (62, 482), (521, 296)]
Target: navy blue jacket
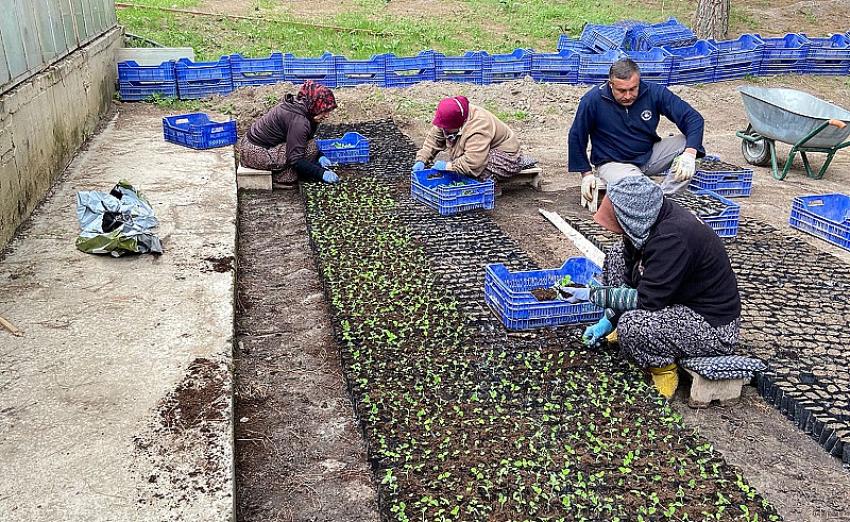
[(627, 134)]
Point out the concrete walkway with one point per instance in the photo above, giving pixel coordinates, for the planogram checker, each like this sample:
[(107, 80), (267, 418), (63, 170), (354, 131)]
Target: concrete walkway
[(116, 403)]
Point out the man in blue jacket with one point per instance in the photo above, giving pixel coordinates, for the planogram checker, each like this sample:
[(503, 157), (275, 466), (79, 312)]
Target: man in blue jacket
[(621, 117)]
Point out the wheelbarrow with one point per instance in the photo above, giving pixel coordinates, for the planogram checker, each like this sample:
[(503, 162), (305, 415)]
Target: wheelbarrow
[(801, 120)]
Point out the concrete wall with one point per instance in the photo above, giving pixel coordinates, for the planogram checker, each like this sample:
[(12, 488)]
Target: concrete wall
[(44, 120)]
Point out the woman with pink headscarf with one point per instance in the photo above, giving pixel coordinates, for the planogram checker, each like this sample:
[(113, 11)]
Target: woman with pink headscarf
[(478, 143)]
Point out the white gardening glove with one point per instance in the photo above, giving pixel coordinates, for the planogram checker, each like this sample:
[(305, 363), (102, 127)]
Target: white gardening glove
[(684, 166), (588, 184)]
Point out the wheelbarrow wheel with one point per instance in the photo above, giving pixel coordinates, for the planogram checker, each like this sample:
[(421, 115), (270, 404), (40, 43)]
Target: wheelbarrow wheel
[(756, 152)]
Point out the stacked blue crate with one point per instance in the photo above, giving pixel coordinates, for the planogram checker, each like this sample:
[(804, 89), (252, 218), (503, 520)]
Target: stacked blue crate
[(202, 79), (738, 58), (410, 70), (138, 82), (361, 72), (670, 33), (256, 71), (693, 64), (603, 37), (829, 56), (784, 54), (560, 67), (566, 43), (593, 68), (473, 67), (513, 66), (655, 64), (320, 70)]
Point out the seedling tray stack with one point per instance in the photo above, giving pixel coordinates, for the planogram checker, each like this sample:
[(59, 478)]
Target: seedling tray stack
[(196, 131), (509, 295), (433, 188), (826, 216), (352, 148)]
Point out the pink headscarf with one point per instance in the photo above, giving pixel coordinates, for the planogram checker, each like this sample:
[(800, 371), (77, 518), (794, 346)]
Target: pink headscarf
[(452, 112)]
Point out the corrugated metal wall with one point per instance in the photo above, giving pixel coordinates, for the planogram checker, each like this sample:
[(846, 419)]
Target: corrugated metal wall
[(36, 33)]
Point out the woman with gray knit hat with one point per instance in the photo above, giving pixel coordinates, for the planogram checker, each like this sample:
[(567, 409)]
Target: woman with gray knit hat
[(669, 286)]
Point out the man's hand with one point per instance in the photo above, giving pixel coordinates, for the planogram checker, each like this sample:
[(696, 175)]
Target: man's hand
[(684, 166), (588, 184)]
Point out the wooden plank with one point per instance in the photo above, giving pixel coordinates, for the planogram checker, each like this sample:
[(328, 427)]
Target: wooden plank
[(585, 247), (12, 328), (153, 55)]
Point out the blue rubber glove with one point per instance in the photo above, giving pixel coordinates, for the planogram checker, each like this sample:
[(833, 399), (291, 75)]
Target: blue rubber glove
[(440, 165), (574, 295), (594, 333), (418, 166), (325, 162), (330, 176)]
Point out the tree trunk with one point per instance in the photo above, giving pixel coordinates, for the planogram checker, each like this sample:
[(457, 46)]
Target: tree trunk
[(712, 19)]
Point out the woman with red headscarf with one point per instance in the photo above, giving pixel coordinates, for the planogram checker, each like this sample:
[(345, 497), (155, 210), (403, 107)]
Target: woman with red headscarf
[(282, 139), (478, 143)]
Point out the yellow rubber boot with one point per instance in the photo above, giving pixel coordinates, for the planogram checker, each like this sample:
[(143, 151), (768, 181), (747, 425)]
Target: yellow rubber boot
[(666, 379), (613, 338)]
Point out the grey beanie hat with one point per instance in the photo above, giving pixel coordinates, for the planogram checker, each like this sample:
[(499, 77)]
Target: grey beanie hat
[(636, 201)]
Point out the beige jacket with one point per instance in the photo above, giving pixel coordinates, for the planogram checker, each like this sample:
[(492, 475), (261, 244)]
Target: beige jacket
[(481, 133)]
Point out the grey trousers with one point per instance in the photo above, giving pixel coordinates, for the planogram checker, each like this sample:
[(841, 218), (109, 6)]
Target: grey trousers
[(663, 154), (656, 339)]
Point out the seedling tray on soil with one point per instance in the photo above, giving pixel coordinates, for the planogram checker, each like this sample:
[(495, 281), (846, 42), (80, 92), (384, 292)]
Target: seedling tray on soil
[(451, 193), (509, 295)]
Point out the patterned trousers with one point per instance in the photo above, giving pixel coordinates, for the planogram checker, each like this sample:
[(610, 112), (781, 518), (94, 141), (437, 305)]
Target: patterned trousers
[(274, 159), (501, 165), (655, 339)]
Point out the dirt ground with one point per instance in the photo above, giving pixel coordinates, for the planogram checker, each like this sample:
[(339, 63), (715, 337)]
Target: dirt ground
[(787, 467)]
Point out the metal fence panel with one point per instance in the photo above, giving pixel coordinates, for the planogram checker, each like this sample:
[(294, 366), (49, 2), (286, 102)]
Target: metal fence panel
[(36, 33)]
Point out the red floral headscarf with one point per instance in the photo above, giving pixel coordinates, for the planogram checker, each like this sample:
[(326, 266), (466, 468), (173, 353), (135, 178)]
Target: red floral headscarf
[(316, 97)]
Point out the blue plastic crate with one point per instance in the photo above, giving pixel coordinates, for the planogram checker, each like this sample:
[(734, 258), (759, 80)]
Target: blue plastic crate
[(431, 187), (321, 70), (407, 71), (473, 67), (694, 63), (352, 148), (670, 33), (560, 67), (138, 82), (593, 68), (256, 71), (826, 216), (725, 224), (784, 54), (728, 183), (738, 58), (361, 72), (603, 37), (514, 66), (196, 131), (565, 43), (509, 295), (829, 55), (202, 79), (655, 64)]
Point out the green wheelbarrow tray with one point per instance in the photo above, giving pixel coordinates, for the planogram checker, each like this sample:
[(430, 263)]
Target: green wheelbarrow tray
[(799, 119)]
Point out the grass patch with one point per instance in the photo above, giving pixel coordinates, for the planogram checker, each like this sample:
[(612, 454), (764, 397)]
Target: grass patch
[(498, 26)]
